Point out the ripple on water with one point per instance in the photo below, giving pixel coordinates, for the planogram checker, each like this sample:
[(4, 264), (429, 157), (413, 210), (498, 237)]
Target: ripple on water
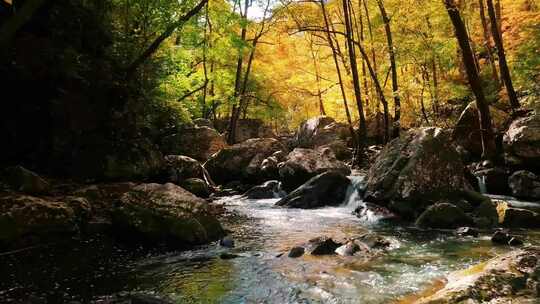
[(417, 259)]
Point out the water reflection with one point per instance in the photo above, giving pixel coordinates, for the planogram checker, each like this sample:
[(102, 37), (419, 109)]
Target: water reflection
[(86, 270)]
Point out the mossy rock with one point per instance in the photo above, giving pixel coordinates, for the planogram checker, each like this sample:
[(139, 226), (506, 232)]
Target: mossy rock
[(166, 213)]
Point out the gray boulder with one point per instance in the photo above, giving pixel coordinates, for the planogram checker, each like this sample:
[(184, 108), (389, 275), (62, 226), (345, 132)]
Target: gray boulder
[(269, 189), (166, 213), (196, 142), (326, 189), (242, 162), (522, 141), (415, 170), (525, 184), (303, 164), (443, 216)]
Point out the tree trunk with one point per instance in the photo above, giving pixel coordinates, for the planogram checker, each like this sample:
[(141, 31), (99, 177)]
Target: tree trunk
[(235, 111), (322, 111), (503, 66), (338, 69), (153, 47), (488, 140), (391, 55), (487, 42), (359, 149)]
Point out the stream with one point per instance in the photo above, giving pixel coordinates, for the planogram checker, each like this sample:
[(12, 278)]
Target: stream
[(90, 270)]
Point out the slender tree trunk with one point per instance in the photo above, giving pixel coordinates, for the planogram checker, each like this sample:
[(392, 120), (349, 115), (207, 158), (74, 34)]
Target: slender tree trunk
[(503, 66), (435, 86), (391, 55), (338, 69), (231, 138), (487, 42), (322, 111), (488, 140), (356, 81), (153, 47)]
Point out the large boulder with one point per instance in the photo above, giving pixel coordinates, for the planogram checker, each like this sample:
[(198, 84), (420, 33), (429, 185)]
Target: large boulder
[(269, 189), (466, 132), (324, 132), (246, 129), (525, 184), (326, 189), (443, 216), (509, 278), (24, 180), (196, 186), (24, 216), (168, 213), (522, 141), (494, 179), (415, 170), (139, 161), (303, 164), (196, 142), (180, 167), (243, 161)]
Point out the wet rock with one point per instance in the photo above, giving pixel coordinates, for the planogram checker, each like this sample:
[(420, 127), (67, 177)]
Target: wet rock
[(180, 167), (522, 140), (326, 189), (322, 246), (519, 218), (196, 186), (495, 179), (525, 184), (372, 212), (247, 129), (24, 216), (467, 231), (415, 170), (502, 279), (140, 160), (486, 215), (373, 241), (444, 216), (227, 241), (24, 180), (166, 213), (242, 161), (502, 237), (348, 249), (228, 256), (303, 164), (196, 142), (339, 148), (319, 131), (296, 252), (466, 132), (270, 189)]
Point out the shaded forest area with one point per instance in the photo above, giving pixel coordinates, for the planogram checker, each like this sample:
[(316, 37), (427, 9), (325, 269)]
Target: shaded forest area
[(86, 80)]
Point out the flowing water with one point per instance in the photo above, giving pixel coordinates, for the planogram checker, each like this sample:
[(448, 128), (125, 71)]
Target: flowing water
[(88, 270)]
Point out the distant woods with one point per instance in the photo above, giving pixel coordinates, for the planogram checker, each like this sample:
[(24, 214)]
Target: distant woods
[(380, 65)]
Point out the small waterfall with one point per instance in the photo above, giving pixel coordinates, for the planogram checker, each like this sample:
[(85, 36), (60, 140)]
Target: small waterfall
[(353, 197), (482, 184)]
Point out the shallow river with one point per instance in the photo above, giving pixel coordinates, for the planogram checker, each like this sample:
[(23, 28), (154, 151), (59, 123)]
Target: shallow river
[(92, 269)]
